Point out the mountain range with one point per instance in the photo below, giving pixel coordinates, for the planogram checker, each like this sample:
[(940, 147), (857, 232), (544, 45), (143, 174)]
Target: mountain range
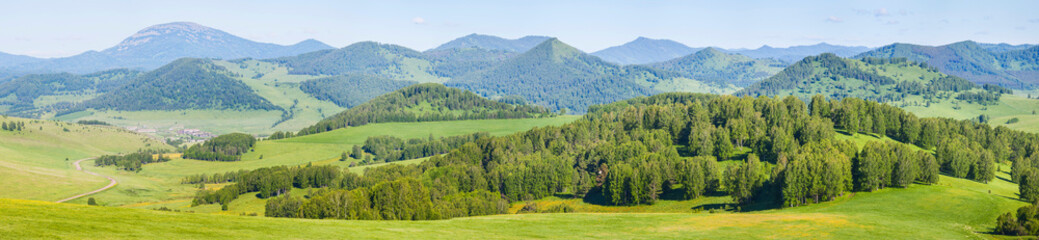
[(796, 53), (158, 45), (970, 60)]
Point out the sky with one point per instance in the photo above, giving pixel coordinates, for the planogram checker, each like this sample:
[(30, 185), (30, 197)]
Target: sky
[(64, 28)]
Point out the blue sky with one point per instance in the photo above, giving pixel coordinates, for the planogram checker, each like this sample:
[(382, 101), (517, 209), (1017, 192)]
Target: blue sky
[(64, 28)]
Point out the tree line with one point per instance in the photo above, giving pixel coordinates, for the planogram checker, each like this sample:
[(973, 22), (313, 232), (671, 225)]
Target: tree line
[(131, 162), (13, 126), (390, 148), (225, 148), (421, 103), (779, 151)]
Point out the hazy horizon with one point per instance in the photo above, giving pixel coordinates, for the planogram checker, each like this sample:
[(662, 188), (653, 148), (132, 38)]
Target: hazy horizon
[(590, 26)]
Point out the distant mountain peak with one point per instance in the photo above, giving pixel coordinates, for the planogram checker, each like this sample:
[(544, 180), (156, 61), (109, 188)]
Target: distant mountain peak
[(644, 50), (490, 42), (186, 31)]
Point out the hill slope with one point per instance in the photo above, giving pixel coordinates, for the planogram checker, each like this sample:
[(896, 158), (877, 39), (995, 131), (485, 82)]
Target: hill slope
[(644, 50), (158, 45), (184, 84), (33, 94), (714, 66), (425, 102), (386, 60), (1015, 69), (559, 76), (883, 80), (493, 43), (37, 161)]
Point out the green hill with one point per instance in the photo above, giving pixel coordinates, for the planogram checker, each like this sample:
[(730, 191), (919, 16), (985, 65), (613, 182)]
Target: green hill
[(32, 94), (37, 160), (714, 66), (183, 84), (386, 60), (1012, 68), (559, 76), (454, 62), (425, 102), (883, 80), (351, 90)]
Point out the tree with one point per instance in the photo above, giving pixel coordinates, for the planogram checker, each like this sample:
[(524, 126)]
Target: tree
[(744, 180), (342, 158), (91, 202), (984, 169), (357, 152)]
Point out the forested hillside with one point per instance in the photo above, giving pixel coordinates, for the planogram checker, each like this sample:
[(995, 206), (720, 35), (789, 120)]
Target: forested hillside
[(760, 151), (31, 94), (559, 76), (454, 62), (184, 84), (1012, 68), (883, 80), (425, 102), (714, 66), (488, 42), (351, 90), (386, 60)]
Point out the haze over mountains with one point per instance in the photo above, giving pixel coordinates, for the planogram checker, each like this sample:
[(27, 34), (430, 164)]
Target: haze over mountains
[(158, 45), (1003, 66), (645, 50), (534, 69)]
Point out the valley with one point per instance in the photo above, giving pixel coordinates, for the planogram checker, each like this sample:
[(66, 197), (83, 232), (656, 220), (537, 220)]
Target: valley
[(570, 120)]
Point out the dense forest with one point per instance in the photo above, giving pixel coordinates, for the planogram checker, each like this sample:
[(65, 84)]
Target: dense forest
[(424, 102), (25, 90), (225, 148), (183, 84), (351, 90), (776, 152), (453, 62), (131, 162)]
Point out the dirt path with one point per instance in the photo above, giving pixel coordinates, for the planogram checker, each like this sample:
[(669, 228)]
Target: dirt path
[(111, 182)]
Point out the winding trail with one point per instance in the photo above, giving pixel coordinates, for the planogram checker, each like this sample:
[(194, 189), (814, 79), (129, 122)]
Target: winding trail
[(111, 182)]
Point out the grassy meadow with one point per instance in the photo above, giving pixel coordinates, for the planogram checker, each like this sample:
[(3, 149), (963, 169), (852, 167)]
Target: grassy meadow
[(36, 163), (952, 209), (158, 184)]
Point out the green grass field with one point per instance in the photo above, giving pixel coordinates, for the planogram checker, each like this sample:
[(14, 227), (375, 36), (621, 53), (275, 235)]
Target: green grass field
[(159, 183), (1009, 106), (952, 209), (33, 162)]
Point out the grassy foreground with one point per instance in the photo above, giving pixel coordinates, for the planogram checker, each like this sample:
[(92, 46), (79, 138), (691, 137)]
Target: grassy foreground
[(953, 209)]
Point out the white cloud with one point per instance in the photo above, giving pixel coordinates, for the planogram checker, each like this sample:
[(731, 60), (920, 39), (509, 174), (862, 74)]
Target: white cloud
[(834, 19), (892, 22), (881, 12), (418, 20)]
